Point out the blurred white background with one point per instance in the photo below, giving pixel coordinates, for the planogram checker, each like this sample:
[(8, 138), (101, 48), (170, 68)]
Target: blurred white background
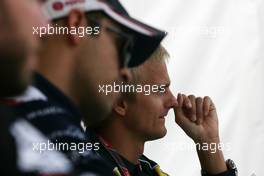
[(217, 49)]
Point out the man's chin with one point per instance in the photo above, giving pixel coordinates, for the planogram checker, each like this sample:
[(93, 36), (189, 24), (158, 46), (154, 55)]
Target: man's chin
[(163, 133), (96, 112), (11, 90), (158, 134), (15, 76), (14, 85)]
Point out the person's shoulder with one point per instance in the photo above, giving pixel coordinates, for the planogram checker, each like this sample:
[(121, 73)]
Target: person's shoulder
[(48, 116)]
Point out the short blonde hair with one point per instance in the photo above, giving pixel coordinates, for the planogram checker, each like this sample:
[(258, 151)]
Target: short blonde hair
[(160, 55)]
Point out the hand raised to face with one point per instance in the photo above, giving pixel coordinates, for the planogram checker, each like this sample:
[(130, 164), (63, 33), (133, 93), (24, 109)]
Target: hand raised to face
[(197, 117)]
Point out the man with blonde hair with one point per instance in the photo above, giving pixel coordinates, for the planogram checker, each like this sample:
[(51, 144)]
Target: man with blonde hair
[(138, 117)]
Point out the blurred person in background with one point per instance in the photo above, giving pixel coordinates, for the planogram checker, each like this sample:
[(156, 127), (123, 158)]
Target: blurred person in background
[(18, 55), (18, 47), (138, 117), (72, 67)]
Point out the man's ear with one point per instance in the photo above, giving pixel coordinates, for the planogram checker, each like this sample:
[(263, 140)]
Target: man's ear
[(120, 107), (76, 19)]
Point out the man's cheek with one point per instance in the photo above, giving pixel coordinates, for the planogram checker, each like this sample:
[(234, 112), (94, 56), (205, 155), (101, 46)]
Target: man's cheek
[(110, 55)]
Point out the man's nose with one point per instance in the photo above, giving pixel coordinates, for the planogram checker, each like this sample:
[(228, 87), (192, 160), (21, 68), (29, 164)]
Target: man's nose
[(171, 100)]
